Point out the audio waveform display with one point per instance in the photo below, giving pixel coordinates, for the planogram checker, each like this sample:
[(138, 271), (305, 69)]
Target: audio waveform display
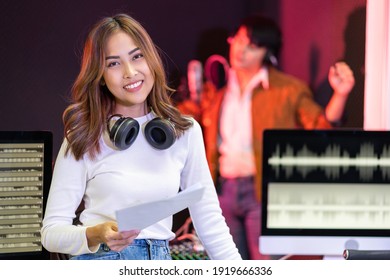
[(334, 161), (327, 188), (297, 205)]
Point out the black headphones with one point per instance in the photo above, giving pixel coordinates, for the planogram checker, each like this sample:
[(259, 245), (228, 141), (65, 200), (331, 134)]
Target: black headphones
[(159, 133)]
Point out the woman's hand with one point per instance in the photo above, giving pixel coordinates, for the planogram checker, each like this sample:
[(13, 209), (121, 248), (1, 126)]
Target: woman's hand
[(108, 233)]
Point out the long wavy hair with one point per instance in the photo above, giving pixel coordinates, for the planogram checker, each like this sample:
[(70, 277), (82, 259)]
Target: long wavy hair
[(91, 101)]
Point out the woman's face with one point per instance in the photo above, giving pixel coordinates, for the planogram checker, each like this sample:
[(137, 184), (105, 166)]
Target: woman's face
[(127, 75), (244, 55)]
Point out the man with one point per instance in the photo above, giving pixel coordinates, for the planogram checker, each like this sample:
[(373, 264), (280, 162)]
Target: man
[(257, 97)]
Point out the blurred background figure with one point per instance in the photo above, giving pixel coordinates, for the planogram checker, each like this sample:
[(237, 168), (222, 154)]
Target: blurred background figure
[(237, 103)]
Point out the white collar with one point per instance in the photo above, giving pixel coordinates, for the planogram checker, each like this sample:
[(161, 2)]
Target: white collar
[(260, 77)]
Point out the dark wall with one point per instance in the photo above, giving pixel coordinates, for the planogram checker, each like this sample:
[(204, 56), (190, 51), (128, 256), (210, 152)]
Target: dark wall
[(318, 33), (41, 44)]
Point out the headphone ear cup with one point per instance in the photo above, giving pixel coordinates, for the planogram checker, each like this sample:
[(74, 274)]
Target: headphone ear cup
[(270, 58), (160, 133), (124, 132)]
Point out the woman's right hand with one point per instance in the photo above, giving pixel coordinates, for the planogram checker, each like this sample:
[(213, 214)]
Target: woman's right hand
[(108, 233)]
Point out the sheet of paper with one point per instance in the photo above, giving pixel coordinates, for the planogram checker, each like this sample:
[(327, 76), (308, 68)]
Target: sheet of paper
[(143, 215)]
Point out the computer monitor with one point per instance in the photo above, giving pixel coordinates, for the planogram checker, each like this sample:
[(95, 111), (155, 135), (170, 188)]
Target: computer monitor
[(25, 176), (325, 191)]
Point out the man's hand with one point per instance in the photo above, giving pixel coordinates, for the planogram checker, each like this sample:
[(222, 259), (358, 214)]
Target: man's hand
[(341, 78)]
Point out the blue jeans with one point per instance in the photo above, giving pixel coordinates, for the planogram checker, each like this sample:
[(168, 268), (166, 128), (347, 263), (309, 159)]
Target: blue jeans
[(243, 215), (140, 249)]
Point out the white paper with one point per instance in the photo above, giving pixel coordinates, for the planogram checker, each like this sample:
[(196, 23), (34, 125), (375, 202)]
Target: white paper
[(143, 215)]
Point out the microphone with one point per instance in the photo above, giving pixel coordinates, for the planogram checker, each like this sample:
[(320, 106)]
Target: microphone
[(366, 254), (216, 70), (195, 79)]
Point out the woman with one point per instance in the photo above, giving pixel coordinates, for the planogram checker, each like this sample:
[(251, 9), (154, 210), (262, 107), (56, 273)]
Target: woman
[(112, 157)]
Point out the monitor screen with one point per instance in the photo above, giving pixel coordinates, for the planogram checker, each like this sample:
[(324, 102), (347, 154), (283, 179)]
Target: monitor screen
[(325, 191), (25, 175)]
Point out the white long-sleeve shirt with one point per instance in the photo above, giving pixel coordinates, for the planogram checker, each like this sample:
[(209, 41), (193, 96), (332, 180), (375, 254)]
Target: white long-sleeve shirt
[(237, 158), (117, 179)]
